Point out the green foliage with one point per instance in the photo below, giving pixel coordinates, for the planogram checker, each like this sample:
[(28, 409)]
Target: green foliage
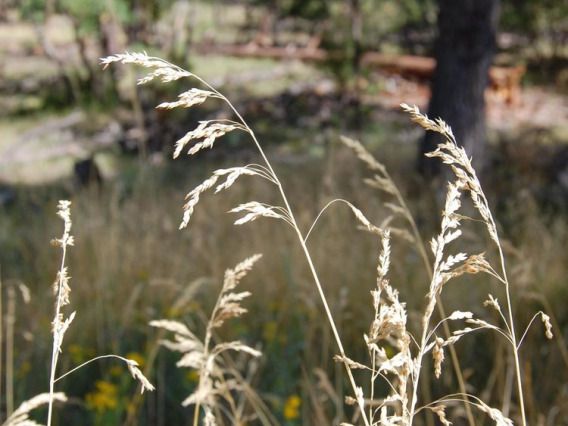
[(306, 9), (534, 16), (396, 16), (87, 13), (33, 10)]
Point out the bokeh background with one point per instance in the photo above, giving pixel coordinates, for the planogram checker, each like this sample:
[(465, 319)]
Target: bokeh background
[(301, 73)]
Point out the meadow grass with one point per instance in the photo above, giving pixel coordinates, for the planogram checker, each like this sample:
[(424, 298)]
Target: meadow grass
[(120, 290), (402, 371), (284, 314), (61, 290)]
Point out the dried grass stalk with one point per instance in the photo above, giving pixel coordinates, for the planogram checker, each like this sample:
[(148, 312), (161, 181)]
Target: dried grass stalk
[(217, 382)]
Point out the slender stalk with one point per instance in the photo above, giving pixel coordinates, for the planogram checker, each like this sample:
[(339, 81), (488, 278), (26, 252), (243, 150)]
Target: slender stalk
[(374, 376), (88, 362), (514, 340), (300, 238), (196, 414), (1, 333), (10, 319), (423, 343), (207, 340), (439, 304), (511, 321), (56, 337)]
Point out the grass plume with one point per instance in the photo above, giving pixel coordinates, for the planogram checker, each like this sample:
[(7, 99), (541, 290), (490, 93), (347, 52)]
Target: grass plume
[(217, 381), (60, 325), (168, 72), (403, 370)]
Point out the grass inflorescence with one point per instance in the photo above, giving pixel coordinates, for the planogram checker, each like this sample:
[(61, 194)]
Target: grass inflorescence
[(62, 290), (397, 357), (317, 344)]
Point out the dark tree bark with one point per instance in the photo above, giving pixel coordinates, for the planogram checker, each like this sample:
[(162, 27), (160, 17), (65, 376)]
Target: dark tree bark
[(464, 51)]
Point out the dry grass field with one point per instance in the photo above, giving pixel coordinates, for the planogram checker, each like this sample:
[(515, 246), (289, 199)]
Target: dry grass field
[(131, 268), (358, 309)]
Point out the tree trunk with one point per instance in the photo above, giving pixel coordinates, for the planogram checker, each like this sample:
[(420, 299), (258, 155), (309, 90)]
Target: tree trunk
[(464, 52)]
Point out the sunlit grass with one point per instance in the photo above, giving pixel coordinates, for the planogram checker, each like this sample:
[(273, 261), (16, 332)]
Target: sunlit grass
[(133, 264)]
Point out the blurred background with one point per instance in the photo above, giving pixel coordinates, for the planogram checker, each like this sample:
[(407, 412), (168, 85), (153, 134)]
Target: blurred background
[(301, 73)]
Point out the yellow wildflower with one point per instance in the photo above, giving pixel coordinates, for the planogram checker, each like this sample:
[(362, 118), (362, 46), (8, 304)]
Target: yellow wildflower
[(104, 398), (292, 407)]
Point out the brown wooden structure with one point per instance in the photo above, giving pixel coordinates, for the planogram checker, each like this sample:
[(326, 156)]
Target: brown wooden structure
[(504, 82)]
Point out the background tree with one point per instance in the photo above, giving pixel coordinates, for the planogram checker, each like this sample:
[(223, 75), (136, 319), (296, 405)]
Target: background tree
[(464, 51)]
